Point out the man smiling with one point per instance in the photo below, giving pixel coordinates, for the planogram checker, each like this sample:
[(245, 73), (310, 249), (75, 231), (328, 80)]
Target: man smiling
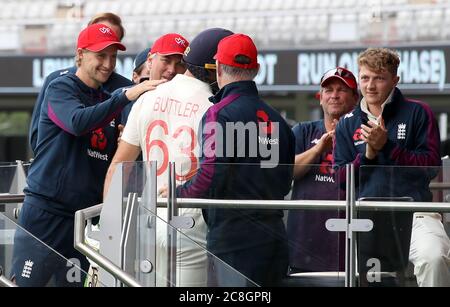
[(395, 140), (76, 140)]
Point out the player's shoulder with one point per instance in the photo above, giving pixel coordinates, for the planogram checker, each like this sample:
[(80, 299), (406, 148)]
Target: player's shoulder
[(59, 73), (66, 80), (116, 81), (351, 117), (149, 96), (307, 126)]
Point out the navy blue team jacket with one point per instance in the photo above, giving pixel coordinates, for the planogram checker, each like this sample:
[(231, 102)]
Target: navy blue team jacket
[(413, 141), (319, 182), (241, 176), (412, 147), (114, 82), (306, 228), (77, 138)]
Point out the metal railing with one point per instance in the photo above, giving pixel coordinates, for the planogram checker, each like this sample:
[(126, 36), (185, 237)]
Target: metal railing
[(5, 282), (7, 198), (83, 215), (81, 218), (281, 204), (349, 205), (307, 204)]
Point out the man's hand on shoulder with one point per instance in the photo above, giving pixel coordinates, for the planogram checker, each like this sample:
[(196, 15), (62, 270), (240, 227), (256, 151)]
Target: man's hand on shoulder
[(134, 92)]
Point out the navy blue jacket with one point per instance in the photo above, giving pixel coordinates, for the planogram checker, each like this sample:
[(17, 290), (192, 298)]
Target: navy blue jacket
[(319, 182), (77, 138), (114, 82), (400, 168), (403, 168), (240, 175), (306, 228)]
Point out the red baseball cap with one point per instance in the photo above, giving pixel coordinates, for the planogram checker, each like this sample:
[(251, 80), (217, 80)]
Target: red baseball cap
[(232, 46), (171, 43), (342, 74), (97, 37)]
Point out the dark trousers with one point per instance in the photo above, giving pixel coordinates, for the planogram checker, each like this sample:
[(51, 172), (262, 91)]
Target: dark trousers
[(263, 265), (35, 264)]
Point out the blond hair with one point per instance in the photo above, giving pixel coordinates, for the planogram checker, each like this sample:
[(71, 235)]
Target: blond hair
[(380, 59)]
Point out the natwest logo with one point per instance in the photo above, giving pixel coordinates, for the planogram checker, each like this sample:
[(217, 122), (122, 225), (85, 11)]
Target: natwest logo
[(98, 139), (326, 165), (262, 117), (358, 135)]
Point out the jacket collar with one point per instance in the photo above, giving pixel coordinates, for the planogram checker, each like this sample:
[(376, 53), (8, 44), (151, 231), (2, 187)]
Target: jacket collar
[(240, 87), (393, 105)]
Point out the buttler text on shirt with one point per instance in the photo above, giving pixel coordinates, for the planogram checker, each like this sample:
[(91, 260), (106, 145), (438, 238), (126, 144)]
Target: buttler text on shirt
[(175, 107)]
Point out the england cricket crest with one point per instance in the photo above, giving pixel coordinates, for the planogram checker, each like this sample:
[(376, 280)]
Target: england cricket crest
[(401, 132)]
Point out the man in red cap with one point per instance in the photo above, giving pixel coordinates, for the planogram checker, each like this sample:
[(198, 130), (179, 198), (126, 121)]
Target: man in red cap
[(114, 82), (164, 59), (76, 141), (163, 124), (163, 62), (255, 162), (314, 178)]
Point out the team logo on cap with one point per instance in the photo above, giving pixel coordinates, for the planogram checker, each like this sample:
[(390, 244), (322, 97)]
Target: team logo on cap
[(105, 30), (180, 41)]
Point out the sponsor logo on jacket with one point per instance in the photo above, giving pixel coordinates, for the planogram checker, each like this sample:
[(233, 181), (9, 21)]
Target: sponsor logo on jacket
[(357, 137), (326, 170), (98, 143)]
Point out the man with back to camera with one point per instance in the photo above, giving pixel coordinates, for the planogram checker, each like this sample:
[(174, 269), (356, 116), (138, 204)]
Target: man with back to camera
[(114, 82), (314, 178), (164, 126), (394, 143), (76, 140), (253, 242)]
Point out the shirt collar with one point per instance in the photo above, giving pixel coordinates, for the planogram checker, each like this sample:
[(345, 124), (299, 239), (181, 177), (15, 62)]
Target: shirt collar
[(238, 87)]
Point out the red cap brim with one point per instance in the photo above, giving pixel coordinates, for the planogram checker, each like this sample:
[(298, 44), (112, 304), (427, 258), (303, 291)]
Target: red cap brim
[(169, 53), (352, 86), (100, 46)]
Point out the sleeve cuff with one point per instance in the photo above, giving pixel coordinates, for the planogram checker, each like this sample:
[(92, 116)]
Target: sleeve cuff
[(366, 161), (123, 98)]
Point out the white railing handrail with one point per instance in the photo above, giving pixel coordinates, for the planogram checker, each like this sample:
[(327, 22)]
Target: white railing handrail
[(6, 198), (306, 204)]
